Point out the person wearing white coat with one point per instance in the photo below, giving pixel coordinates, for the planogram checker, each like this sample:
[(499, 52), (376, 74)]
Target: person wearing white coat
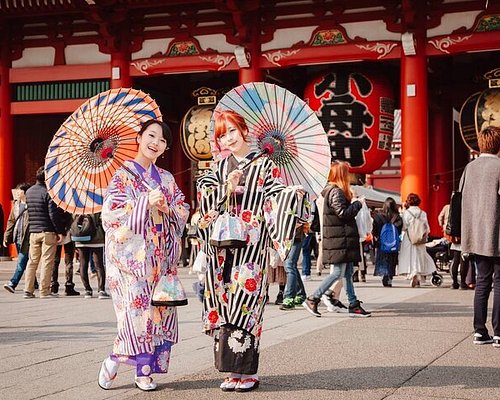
[(414, 261)]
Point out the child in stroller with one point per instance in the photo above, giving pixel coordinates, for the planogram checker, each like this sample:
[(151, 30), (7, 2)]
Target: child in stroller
[(439, 250)]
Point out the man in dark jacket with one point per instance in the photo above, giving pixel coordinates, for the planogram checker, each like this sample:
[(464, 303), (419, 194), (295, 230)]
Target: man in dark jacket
[(46, 227)]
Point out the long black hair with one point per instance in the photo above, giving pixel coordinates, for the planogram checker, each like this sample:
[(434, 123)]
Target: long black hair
[(390, 208)]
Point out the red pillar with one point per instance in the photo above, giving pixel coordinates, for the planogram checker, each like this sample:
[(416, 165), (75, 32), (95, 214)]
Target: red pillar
[(120, 70), (6, 131), (414, 141), (440, 164), (254, 72)]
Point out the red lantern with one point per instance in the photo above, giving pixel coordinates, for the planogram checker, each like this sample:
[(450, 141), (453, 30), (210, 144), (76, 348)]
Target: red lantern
[(357, 113)]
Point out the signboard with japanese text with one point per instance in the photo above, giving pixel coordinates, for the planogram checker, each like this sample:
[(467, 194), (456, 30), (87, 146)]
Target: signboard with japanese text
[(357, 113)]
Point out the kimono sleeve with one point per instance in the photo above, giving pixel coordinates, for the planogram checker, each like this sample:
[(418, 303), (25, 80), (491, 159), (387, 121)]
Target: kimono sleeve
[(178, 210), (284, 207), (124, 215), (211, 195)]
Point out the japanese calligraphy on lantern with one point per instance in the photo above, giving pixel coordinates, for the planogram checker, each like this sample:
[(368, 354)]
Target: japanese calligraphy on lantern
[(194, 132), (357, 113)]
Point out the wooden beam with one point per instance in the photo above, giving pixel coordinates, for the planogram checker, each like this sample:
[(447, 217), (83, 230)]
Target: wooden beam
[(45, 107), (60, 73)]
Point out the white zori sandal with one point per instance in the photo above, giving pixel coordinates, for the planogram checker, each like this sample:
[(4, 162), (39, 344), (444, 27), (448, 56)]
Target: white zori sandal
[(145, 383), (106, 377)]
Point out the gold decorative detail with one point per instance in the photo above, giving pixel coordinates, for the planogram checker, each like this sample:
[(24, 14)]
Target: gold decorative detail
[(144, 65), (276, 56), (381, 48), (328, 37), (183, 48), (488, 23), (223, 61), (444, 43)]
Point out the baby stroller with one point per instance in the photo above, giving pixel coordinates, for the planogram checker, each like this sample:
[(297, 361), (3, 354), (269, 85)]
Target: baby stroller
[(439, 250)]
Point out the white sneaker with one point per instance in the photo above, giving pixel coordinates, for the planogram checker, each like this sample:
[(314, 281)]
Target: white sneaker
[(334, 305), (326, 301)]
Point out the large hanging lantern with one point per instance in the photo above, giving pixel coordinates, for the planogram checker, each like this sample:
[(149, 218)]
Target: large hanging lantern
[(467, 122), (479, 111), (194, 132), (357, 113)]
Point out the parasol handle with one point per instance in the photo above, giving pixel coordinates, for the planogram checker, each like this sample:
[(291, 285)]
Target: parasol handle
[(136, 176), (267, 149)]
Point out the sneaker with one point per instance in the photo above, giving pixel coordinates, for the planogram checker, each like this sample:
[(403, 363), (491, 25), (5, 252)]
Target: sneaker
[(455, 286), (279, 299), (496, 341), (355, 310), (88, 294), (9, 287), (298, 300), (288, 304), (481, 338), (311, 305), (333, 305), (103, 295), (49, 296), (28, 295), (305, 277)]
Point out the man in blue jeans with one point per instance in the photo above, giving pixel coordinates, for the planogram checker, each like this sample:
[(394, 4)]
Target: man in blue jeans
[(17, 233), (295, 293)]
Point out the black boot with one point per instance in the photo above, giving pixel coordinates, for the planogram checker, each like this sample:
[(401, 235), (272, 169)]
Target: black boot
[(54, 287), (70, 290), (279, 298)]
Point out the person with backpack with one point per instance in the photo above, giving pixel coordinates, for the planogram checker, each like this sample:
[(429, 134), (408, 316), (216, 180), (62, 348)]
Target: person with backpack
[(387, 227), (413, 260)]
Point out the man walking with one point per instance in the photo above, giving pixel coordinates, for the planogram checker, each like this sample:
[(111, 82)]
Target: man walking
[(481, 230), (46, 227)]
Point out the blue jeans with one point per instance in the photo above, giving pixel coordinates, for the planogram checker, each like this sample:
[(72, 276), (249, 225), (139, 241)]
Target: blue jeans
[(306, 255), (22, 261), (294, 285), (340, 270)]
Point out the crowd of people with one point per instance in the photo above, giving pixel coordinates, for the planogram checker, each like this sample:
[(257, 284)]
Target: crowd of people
[(143, 221), (40, 231)]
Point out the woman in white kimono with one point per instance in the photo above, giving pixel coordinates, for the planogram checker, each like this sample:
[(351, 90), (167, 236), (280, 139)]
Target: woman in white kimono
[(236, 279), (143, 231), (414, 261)]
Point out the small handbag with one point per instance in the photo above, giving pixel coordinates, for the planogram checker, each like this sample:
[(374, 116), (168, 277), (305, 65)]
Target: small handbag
[(200, 262), (229, 230), (169, 291)]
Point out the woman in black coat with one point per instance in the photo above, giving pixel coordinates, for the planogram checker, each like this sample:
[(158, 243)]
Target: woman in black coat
[(340, 240)]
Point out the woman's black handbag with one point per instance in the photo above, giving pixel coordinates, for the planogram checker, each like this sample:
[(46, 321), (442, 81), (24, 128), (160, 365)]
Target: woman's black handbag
[(454, 223)]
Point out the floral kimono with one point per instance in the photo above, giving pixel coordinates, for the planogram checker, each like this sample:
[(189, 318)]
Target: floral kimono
[(142, 244), (236, 279)]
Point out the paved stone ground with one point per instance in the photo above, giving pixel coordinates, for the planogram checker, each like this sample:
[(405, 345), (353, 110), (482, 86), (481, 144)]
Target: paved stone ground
[(417, 345)]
